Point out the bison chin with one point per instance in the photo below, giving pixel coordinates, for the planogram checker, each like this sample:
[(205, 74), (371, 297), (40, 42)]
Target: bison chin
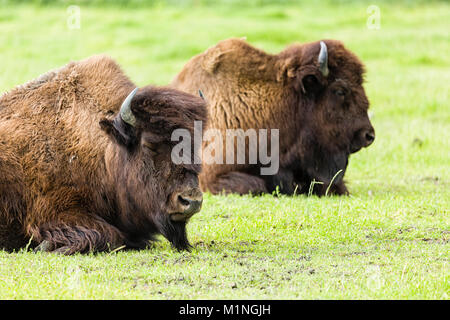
[(174, 231)]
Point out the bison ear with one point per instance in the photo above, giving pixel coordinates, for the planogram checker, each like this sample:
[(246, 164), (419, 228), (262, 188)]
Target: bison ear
[(310, 84), (119, 131)]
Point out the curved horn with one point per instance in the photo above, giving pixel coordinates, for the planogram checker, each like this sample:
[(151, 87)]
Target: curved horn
[(323, 59), (125, 110)]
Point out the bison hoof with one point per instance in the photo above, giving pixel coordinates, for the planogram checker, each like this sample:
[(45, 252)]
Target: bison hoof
[(44, 246)]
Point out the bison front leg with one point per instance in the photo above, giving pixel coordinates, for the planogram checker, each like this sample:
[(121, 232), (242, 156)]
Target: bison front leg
[(72, 232), (236, 182)]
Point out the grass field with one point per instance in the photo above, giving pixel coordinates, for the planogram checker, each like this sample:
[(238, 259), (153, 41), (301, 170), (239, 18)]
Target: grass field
[(388, 240)]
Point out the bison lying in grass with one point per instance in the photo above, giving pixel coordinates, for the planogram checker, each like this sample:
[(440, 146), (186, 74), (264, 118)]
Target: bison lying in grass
[(85, 161), (313, 93)]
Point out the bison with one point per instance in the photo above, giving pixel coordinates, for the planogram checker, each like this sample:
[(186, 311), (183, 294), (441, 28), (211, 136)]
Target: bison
[(312, 93), (85, 162)]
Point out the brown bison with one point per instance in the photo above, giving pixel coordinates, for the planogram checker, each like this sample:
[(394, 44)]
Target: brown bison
[(313, 93), (85, 162)]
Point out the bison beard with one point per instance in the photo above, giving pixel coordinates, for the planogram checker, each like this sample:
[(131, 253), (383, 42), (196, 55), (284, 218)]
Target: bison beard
[(85, 166), (174, 231), (322, 169)]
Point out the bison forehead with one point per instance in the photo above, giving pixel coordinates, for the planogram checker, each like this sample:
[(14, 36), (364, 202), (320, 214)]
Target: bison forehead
[(162, 110)]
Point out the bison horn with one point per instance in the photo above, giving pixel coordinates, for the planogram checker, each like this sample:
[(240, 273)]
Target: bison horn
[(323, 59), (125, 110)]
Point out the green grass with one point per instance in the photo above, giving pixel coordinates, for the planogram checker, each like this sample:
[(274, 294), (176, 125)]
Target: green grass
[(388, 240)]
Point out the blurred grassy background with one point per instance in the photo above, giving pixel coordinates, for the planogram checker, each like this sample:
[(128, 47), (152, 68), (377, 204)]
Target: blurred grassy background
[(394, 226)]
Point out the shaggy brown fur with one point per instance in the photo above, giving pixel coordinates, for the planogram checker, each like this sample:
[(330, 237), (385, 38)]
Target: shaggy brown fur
[(322, 120), (74, 178)]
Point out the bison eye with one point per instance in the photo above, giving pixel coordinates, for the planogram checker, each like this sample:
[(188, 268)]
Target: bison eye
[(340, 93)]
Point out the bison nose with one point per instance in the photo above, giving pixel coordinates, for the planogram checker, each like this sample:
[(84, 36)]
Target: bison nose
[(369, 137), (187, 204), (362, 138), (190, 205)]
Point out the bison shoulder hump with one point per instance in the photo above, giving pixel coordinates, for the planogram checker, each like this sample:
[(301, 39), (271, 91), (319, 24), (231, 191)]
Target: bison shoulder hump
[(223, 51)]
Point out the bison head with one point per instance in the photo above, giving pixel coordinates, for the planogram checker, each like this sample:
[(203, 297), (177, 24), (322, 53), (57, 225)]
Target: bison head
[(154, 194), (326, 81)]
